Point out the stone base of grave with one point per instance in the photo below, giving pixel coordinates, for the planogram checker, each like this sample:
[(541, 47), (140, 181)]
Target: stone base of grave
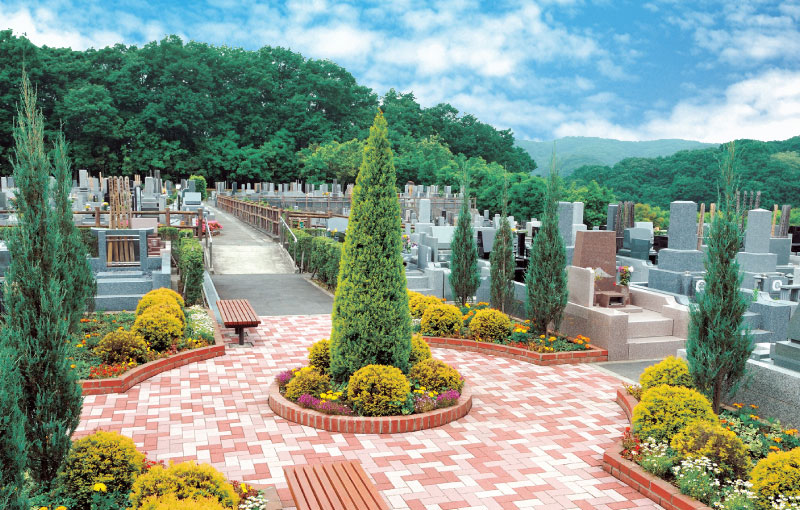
[(675, 282), (680, 260), (786, 354), (757, 262)]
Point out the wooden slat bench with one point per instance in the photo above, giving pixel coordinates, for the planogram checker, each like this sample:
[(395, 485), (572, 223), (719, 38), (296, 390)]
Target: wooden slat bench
[(238, 314), (340, 485)]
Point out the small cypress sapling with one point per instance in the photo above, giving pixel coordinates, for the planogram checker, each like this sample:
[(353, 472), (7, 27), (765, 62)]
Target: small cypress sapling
[(464, 277), (717, 348), (371, 319), (12, 430), (502, 260), (546, 277)]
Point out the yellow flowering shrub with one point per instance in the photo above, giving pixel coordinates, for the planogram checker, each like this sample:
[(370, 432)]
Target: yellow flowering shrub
[(418, 303), (308, 381), (121, 346), (107, 458), (378, 390), (664, 411), (441, 320), (436, 375), (490, 325), (159, 328), (171, 502), (186, 480), (420, 351), (673, 371), (319, 355), (712, 440), (159, 296), (777, 474)]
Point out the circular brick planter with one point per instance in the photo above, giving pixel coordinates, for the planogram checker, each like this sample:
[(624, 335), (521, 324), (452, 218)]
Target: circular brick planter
[(368, 425), (591, 355), (141, 373)]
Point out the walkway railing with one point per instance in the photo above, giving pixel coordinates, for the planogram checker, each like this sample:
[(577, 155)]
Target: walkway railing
[(270, 219)]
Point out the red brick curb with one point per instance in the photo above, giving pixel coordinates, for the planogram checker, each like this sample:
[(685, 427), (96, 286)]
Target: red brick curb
[(591, 355), (368, 425), (646, 484), (141, 373)]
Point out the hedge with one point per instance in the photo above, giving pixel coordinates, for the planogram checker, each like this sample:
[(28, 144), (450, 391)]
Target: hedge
[(190, 265), (317, 255)]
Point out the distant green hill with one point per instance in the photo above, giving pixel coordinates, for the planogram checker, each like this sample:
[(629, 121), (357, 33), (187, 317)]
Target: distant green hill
[(575, 151)]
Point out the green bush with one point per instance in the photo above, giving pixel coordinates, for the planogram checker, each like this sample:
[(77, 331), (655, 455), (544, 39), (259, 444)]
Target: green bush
[(378, 390), (712, 440), (169, 234), (325, 256), (191, 270), (200, 185), (308, 381), (441, 320), (776, 475), (664, 411), (159, 328), (319, 355), (436, 375), (121, 346), (300, 250), (672, 371), (420, 351), (186, 480), (103, 457), (490, 325)]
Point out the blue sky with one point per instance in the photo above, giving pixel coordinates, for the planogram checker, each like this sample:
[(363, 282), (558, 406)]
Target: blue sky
[(701, 70)]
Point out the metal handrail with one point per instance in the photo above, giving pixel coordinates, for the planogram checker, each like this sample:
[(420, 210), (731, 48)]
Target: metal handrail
[(288, 228)]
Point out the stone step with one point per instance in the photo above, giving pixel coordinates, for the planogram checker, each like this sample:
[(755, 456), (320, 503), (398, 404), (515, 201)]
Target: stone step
[(629, 309), (654, 347), (752, 319), (761, 351), (417, 283), (120, 274), (116, 303), (648, 324), (123, 286)]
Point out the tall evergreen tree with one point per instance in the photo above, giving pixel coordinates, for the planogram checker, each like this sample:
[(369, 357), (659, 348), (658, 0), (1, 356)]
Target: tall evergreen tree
[(502, 260), (36, 320), (12, 430), (74, 270), (546, 278), (717, 348), (464, 276), (371, 319)]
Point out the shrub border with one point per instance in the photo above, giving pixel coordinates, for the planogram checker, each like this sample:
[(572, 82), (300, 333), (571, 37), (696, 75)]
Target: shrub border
[(591, 355), (646, 484), (150, 369), (290, 411)]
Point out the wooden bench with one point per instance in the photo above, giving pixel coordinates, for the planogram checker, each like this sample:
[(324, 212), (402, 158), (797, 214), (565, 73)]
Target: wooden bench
[(340, 485), (238, 314)]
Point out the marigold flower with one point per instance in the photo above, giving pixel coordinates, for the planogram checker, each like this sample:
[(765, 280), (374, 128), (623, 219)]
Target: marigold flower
[(72, 366), (753, 406), (61, 507), (774, 448), (753, 416), (738, 405), (99, 487)]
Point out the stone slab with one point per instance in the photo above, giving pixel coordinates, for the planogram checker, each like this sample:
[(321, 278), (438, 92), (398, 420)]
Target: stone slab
[(683, 226), (752, 262), (782, 247), (670, 259), (757, 235)]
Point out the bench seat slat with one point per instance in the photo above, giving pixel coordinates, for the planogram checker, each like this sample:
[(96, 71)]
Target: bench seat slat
[(237, 313), (340, 485)]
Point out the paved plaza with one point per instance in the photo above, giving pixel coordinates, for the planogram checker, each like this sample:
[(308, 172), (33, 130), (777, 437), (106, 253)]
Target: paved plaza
[(534, 437)]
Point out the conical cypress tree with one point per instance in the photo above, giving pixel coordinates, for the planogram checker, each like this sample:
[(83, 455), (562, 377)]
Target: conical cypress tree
[(12, 431), (502, 260), (371, 319), (717, 348), (464, 276), (546, 278), (74, 270), (36, 324)]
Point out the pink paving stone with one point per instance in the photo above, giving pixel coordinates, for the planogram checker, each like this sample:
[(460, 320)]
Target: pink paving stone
[(534, 432)]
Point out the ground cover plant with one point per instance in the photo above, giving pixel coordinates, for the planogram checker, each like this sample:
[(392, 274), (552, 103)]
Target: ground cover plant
[(732, 460)]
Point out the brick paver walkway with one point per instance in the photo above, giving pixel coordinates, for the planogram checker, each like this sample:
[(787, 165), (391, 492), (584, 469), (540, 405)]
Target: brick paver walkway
[(534, 437)]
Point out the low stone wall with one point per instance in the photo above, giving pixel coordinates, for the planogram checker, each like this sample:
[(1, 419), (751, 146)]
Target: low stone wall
[(368, 425), (141, 373), (646, 484), (591, 355)]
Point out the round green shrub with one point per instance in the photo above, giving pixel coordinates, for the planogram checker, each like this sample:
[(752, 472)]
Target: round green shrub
[(319, 355), (307, 381), (712, 440), (672, 371), (441, 320), (378, 390), (490, 325), (776, 475), (420, 351), (103, 457), (186, 480), (436, 375), (666, 410), (121, 346), (159, 327)]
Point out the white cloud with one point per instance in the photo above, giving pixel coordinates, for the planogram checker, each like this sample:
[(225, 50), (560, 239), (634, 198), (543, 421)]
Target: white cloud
[(43, 27)]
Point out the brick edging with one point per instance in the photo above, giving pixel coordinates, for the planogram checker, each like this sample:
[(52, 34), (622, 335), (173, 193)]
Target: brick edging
[(288, 410), (141, 373), (591, 355), (646, 484)]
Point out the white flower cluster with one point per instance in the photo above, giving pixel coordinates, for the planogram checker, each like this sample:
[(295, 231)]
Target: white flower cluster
[(651, 448), (257, 502), (693, 466), (786, 503), (736, 490), (201, 321)]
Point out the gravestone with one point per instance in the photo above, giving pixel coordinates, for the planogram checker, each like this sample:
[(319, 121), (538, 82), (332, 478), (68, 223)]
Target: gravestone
[(756, 259), (424, 214), (83, 179), (681, 263), (611, 217), (337, 224), (190, 185), (570, 221), (787, 354), (597, 249), (636, 243), (149, 186)]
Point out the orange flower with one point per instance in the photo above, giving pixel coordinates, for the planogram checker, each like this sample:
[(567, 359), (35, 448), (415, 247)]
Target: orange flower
[(738, 405), (753, 406)]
